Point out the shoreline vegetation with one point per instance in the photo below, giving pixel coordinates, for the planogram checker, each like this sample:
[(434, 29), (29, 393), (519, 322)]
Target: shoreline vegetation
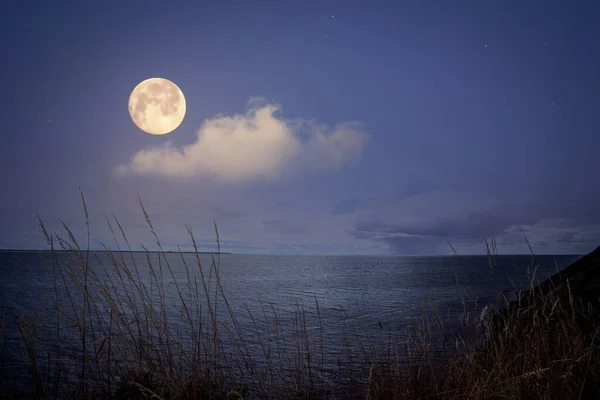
[(113, 336)]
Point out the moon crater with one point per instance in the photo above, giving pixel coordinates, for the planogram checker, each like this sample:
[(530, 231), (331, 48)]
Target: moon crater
[(157, 106)]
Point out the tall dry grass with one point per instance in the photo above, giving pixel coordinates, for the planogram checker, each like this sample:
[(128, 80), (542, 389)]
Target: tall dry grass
[(113, 336)]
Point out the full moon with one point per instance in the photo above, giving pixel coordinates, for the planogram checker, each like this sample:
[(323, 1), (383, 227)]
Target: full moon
[(157, 106)]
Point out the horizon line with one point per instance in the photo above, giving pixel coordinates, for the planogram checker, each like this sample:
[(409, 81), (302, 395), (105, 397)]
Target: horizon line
[(283, 254)]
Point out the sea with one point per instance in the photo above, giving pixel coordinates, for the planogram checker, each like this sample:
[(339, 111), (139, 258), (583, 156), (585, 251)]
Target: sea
[(340, 296)]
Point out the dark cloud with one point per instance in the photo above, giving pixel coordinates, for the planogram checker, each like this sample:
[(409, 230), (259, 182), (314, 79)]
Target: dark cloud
[(472, 226), (357, 234), (563, 222)]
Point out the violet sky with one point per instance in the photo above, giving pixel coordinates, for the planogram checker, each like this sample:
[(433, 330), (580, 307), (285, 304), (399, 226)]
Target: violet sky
[(367, 127)]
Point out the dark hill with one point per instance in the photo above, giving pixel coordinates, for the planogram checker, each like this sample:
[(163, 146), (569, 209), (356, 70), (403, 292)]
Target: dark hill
[(576, 288)]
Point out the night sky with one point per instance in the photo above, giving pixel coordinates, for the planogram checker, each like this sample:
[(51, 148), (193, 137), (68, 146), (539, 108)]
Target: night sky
[(350, 127)]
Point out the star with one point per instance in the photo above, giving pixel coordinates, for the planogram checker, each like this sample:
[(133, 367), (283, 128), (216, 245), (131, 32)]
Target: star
[(486, 45), (325, 35), (332, 15), (552, 103)]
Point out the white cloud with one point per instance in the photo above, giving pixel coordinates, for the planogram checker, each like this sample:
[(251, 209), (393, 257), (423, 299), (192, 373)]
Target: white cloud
[(257, 144)]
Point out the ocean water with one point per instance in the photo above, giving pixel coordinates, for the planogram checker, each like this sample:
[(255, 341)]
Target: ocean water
[(383, 294)]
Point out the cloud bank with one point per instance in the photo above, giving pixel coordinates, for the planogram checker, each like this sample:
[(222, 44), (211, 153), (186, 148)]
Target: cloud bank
[(256, 145), (425, 222)]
